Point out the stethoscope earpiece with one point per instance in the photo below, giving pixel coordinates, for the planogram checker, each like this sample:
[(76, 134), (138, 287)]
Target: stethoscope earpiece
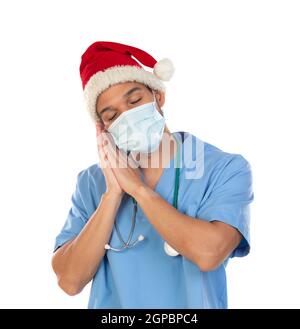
[(107, 246), (128, 245), (141, 238)]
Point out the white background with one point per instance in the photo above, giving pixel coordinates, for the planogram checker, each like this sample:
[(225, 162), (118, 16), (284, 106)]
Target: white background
[(236, 86)]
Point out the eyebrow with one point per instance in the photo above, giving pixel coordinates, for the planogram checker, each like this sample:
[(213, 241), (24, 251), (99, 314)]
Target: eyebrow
[(125, 95)]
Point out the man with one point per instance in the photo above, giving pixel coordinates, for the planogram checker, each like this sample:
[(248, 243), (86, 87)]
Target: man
[(184, 232)]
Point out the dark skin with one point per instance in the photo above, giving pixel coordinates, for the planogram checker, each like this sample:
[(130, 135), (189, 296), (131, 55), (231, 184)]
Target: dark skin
[(206, 244), (136, 95), (123, 97)]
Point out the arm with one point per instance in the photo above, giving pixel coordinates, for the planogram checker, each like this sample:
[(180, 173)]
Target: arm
[(76, 262), (207, 244), (220, 224)]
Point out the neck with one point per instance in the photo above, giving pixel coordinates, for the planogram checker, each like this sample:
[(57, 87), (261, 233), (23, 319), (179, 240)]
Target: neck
[(155, 161)]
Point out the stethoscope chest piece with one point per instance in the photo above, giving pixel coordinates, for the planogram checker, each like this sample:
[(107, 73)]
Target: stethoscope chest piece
[(169, 250)]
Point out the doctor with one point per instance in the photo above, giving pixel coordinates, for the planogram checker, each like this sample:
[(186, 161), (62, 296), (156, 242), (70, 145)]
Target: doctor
[(149, 236)]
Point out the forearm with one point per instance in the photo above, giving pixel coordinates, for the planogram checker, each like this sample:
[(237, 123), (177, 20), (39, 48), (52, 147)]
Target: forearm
[(195, 239), (76, 264)]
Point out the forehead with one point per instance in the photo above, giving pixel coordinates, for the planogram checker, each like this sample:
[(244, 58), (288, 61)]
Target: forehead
[(116, 91)]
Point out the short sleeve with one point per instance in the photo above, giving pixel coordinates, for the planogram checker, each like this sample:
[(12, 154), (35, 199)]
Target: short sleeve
[(230, 198), (77, 215)]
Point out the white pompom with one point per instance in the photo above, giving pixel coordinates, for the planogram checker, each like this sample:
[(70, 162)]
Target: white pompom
[(164, 69)]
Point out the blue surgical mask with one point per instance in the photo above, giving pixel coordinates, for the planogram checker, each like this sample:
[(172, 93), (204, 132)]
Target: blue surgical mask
[(139, 129)]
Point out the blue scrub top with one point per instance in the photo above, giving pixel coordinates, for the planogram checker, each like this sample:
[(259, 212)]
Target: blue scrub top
[(145, 276)]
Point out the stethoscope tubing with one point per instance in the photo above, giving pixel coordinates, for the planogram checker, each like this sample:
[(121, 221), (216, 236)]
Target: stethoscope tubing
[(128, 243)]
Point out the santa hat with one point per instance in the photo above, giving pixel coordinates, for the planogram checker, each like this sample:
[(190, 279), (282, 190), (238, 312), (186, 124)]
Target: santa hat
[(105, 63)]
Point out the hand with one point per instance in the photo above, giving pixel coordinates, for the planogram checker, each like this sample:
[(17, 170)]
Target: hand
[(124, 167), (112, 185)]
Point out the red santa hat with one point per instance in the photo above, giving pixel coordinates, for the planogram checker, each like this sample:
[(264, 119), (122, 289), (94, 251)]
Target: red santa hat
[(105, 63)]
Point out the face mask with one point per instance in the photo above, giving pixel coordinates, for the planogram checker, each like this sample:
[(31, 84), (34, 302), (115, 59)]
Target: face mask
[(139, 129)]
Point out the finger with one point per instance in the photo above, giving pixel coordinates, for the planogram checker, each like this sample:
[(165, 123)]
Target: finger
[(132, 162), (99, 140), (99, 136), (104, 163), (118, 155), (102, 138), (111, 153), (101, 151), (123, 159), (105, 137), (98, 128)]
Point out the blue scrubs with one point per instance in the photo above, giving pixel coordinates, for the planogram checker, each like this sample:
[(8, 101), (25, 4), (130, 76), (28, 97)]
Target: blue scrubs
[(145, 276)]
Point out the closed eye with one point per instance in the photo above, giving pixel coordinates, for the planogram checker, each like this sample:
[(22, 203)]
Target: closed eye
[(135, 101), (110, 119)]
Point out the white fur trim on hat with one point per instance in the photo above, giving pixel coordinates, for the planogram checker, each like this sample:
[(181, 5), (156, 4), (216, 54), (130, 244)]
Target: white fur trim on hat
[(117, 74)]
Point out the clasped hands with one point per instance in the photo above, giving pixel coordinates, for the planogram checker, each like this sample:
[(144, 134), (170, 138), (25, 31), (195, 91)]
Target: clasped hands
[(122, 172)]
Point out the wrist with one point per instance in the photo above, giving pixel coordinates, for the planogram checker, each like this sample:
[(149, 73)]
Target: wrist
[(112, 196), (142, 192)]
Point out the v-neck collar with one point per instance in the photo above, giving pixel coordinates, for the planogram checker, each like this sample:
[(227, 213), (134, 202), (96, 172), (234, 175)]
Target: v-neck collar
[(166, 183)]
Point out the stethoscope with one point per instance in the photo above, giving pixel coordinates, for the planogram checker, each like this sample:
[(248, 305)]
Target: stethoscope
[(168, 249)]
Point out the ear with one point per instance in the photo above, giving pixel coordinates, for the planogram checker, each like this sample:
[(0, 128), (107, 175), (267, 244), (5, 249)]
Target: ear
[(160, 98)]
